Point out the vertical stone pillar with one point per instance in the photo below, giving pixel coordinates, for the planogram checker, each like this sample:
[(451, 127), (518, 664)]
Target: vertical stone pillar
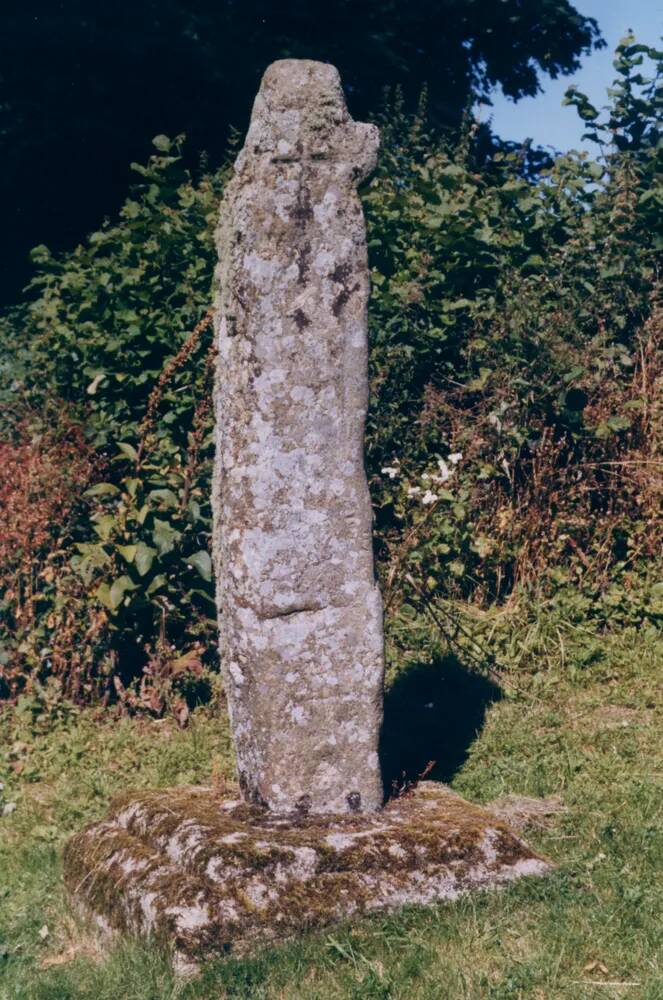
[(300, 614)]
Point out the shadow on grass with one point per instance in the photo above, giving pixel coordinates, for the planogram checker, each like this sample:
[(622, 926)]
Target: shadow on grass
[(433, 711)]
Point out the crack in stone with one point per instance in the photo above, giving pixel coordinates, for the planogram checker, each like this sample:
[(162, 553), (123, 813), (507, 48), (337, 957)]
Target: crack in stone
[(290, 612)]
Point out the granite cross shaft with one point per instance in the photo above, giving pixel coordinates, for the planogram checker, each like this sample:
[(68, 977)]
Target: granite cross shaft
[(300, 614)]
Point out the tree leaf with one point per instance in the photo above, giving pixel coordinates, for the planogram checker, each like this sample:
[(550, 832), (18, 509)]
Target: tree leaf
[(127, 552), (128, 450), (104, 525), (101, 490), (164, 536), (144, 558), (166, 497), (118, 589), (202, 562), (159, 581), (102, 594)]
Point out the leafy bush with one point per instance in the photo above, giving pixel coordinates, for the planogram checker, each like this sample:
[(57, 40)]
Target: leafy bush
[(514, 434), (516, 326), (105, 319), (110, 334), (149, 558)]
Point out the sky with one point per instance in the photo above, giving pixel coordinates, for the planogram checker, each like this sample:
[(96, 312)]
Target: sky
[(543, 118)]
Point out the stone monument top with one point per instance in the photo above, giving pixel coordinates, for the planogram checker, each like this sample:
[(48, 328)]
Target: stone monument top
[(300, 115)]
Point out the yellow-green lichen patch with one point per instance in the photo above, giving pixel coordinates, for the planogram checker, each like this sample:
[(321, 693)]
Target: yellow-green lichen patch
[(207, 874)]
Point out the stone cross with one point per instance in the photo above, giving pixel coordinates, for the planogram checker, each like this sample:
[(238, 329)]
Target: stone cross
[(299, 610), (300, 613)]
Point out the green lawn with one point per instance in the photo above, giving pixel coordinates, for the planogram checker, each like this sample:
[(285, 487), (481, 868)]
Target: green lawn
[(579, 718)]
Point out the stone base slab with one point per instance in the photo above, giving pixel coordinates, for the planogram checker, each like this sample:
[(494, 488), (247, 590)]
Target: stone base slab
[(205, 875)]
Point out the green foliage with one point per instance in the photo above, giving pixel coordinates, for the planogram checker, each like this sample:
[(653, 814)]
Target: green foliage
[(149, 557), (515, 427), (516, 326), (110, 334), (104, 319)]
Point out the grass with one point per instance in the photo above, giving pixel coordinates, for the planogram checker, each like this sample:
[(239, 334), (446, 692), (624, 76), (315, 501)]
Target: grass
[(579, 718)]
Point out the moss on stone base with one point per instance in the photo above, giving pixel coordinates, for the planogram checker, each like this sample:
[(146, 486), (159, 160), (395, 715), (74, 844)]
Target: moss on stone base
[(206, 874)]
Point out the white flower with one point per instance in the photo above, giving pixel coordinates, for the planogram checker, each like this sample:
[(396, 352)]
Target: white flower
[(413, 490), (425, 477), (429, 497), (445, 471), (390, 470), (455, 457)]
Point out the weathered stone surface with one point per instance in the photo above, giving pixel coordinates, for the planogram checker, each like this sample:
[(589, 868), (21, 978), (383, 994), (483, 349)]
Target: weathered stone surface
[(205, 875), (300, 613), (521, 812)]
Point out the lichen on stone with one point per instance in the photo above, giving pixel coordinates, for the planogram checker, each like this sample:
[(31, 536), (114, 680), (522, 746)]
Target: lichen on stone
[(206, 875)]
